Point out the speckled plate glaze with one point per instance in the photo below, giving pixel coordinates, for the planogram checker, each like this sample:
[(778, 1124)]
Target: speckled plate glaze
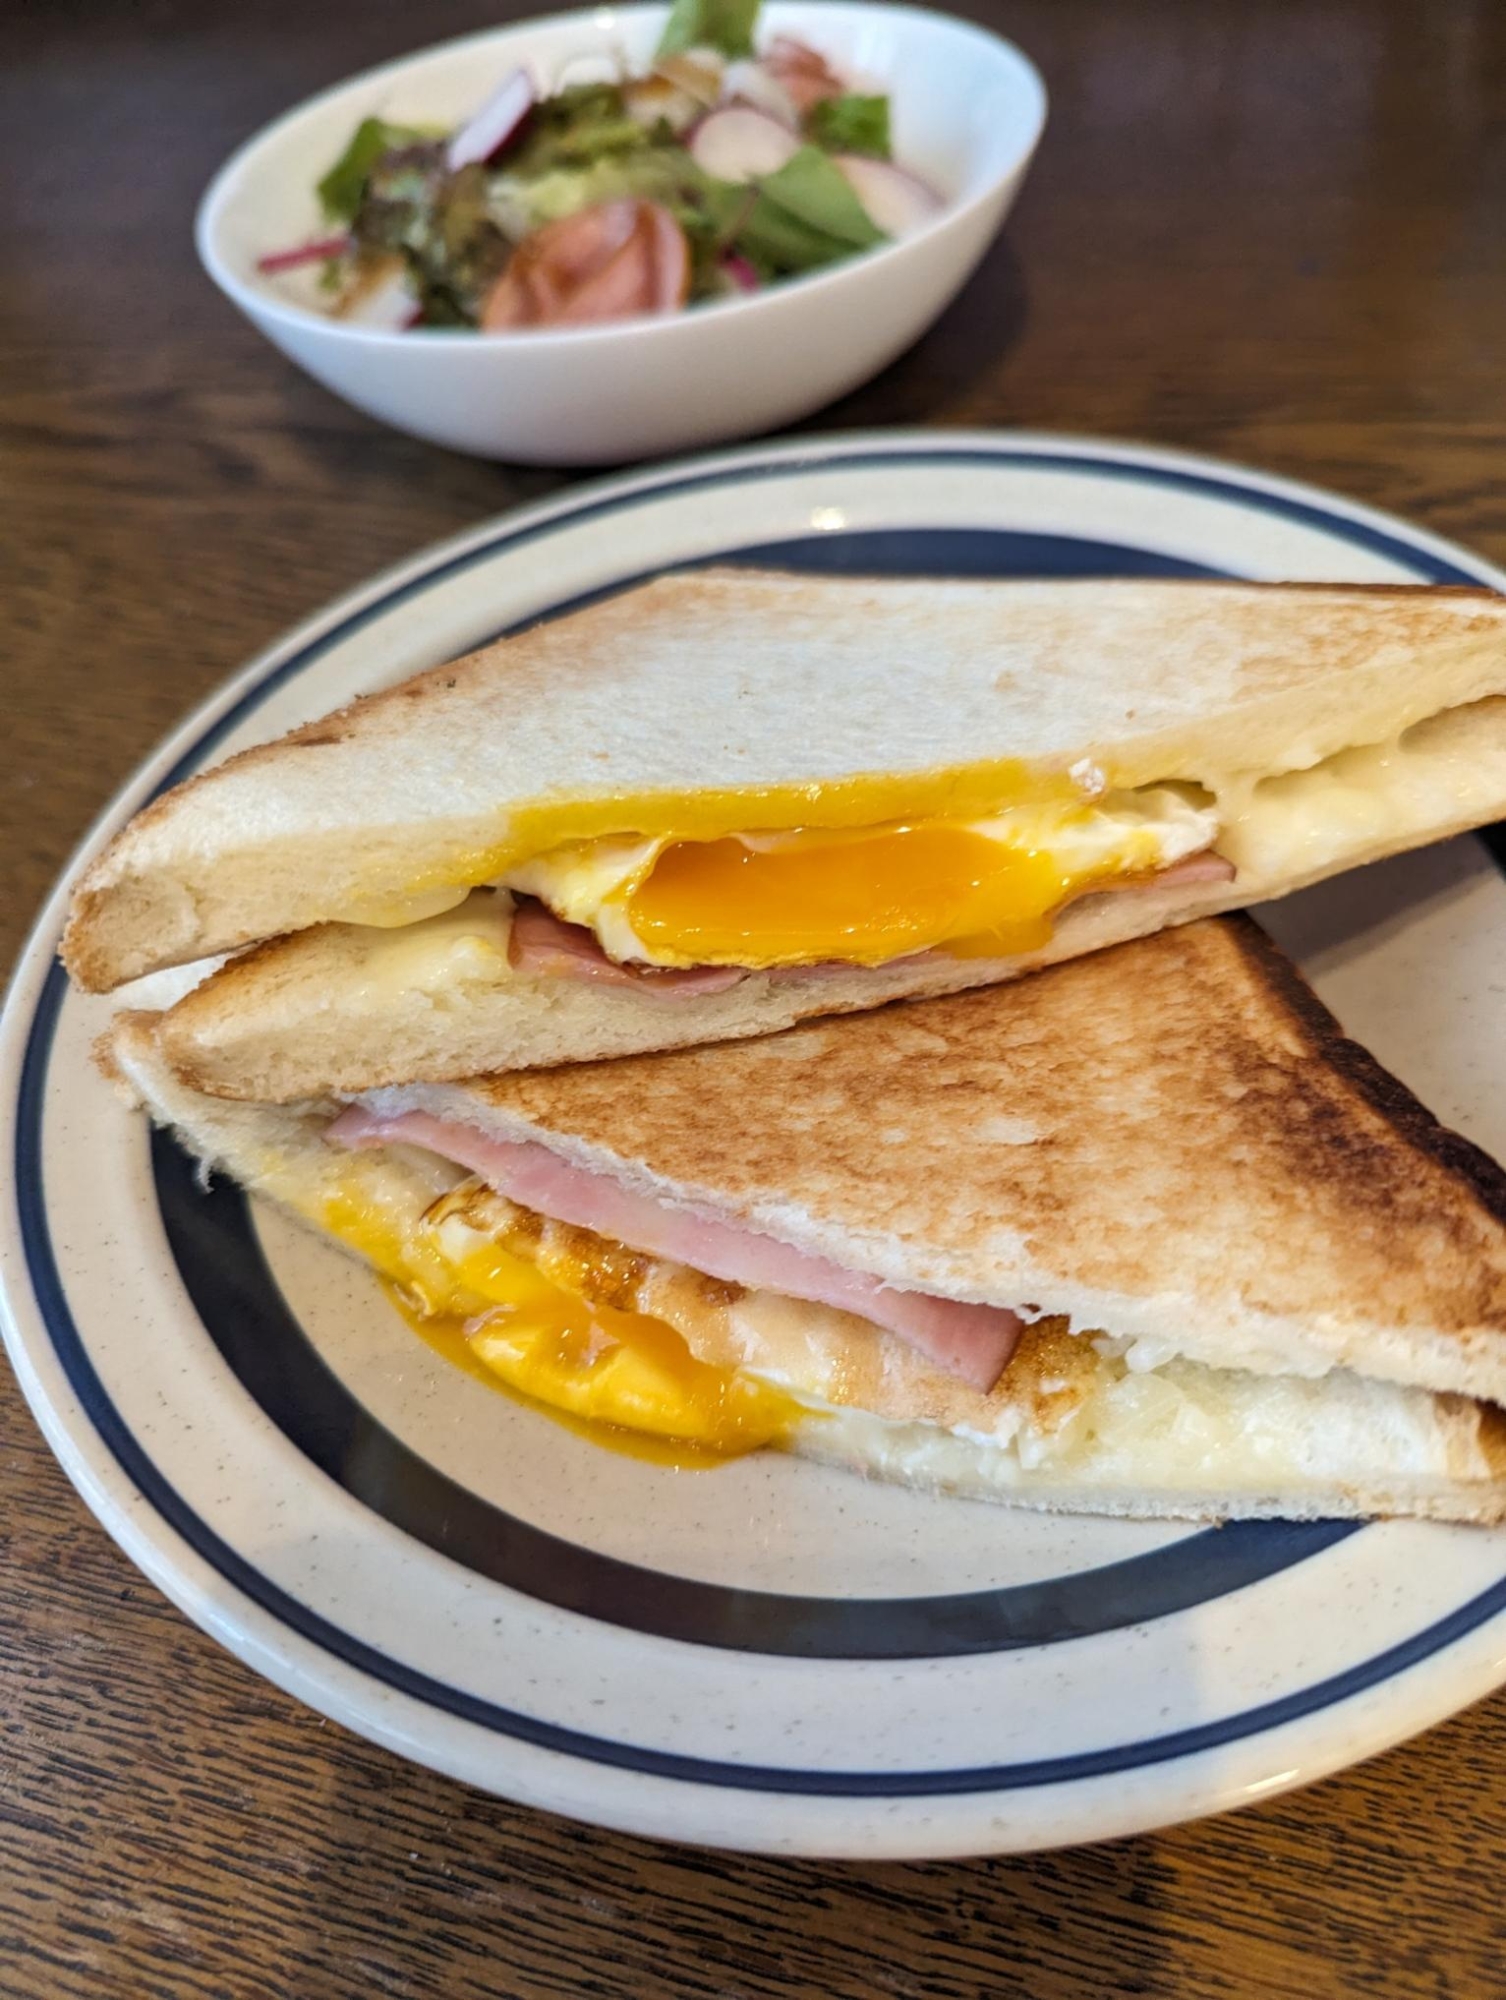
[(770, 1655)]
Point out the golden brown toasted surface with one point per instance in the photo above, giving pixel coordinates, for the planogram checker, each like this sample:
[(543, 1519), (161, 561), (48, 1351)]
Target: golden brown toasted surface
[(1176, 1118)]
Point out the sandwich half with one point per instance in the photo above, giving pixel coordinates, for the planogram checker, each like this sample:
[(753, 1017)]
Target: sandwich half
[(727, 801), (1142, 1235)]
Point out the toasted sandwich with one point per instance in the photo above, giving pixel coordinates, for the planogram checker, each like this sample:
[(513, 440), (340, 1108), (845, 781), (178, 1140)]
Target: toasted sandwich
[(1141, 1235), (727, 801)]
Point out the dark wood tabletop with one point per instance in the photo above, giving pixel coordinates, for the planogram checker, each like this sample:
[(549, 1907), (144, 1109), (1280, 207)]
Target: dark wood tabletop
[(1275, 230)]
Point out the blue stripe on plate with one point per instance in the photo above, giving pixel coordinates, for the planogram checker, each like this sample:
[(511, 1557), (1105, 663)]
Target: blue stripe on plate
[(136, 1463)]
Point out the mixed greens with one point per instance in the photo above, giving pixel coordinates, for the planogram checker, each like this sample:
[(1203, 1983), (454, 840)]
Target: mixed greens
[(717, 172)]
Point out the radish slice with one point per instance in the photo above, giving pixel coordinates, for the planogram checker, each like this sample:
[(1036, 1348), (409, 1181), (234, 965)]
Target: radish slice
[(488, 130), (741, 144), (305, 253), (698, 73), (384, 302), (741, 272), (896, 201), (749, 82)]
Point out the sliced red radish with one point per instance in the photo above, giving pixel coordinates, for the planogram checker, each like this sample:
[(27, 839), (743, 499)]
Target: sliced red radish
[(652, 99), (741, 144), (382, 300), (752, 83), (895, 200), (305, 253), (488, 130), (741, 272), (698, 73)]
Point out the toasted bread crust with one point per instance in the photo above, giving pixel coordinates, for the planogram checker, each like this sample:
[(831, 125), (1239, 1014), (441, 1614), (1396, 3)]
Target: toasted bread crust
[(1411, 1121)]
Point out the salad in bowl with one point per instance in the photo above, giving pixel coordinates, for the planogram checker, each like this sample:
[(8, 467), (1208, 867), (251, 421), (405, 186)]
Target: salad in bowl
[(728, 164)]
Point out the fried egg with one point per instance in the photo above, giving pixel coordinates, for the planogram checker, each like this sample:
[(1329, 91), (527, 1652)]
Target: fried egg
[(863, 895)]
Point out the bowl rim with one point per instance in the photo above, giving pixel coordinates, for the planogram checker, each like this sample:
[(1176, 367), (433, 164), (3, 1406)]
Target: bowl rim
[(257, 303)]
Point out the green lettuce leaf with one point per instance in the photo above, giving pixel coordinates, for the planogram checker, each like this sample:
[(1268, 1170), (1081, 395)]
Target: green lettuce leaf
[(710, 24), (342, 187), (665, 174), (804, 216), (575, 128), (851, 124)]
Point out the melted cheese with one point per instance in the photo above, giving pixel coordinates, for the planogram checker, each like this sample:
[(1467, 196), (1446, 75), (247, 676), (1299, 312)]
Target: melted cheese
[(1446, 772), (865, 895)]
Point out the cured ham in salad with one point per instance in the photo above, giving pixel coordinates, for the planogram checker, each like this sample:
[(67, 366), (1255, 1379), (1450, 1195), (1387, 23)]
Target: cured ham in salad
[(558, 204)]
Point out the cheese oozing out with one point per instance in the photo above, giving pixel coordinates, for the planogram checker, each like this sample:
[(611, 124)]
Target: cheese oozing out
[(862, 895)]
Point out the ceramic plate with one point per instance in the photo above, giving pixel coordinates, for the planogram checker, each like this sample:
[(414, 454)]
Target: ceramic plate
[(768, 1655)]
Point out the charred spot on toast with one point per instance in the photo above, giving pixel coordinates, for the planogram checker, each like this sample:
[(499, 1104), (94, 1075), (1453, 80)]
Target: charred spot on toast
[(1406, 1118)]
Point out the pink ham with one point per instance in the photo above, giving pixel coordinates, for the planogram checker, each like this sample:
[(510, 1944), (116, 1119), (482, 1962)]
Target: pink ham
[(610, 261), (803, 73), (1204, 867), (543, 942), (970, 1341)]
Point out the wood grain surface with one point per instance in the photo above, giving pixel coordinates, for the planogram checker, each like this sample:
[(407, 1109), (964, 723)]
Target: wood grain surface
[(1275, 230)]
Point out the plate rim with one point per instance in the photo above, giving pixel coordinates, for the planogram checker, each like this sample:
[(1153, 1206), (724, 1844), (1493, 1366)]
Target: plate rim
[(162, 1558)]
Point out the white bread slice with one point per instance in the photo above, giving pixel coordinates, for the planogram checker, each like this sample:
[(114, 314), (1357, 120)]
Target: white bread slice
[(1069, 1427), (744, 685)]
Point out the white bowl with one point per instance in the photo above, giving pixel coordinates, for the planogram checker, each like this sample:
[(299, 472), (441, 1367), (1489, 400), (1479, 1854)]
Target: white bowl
[(967, 111)]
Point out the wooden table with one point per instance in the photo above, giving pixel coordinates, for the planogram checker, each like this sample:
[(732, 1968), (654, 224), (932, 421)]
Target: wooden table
[(1275, 230)]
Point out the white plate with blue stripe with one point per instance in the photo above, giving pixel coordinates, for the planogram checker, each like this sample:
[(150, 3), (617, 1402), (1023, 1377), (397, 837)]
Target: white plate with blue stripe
[(769, 1655)]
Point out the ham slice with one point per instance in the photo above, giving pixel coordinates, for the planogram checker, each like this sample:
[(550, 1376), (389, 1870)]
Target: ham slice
[(610, 261), (970, 1341), (1204, 867), (802, 72), (542, 942)]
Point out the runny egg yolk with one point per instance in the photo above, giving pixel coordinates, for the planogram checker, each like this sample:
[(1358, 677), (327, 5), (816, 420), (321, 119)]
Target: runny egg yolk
[(863, 897), (625, 1379)]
